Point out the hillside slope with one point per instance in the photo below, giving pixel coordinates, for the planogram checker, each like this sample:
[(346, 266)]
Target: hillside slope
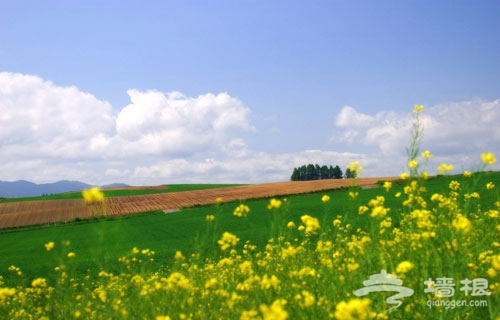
[(50, 211)]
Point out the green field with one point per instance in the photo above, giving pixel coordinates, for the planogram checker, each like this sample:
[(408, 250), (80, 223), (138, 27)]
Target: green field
[(99, 242), (95, 273)]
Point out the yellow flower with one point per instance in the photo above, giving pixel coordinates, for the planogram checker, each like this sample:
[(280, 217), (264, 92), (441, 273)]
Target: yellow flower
[(413, 164), (228, 240), (443, 167), (162, 318), (355, 308), (210, 217), (274, 204), (93, 195), (353, 195), (495, 262), (39, 283), (355, 167), (404, 267), (454, 185), (386, 223), (427, 155), (488, 158), (6, 292), (490, 185), (275, 311), (404, 176), (218, 199), (49, 245), (179, 255), (467, 174), (418, 109), (492, 273), (311, 224), (362, 209), (379, 212), (290, 225), (71, 255), (461, 223), (424, 175), (336, 222), (241, 211), (387, 185), (325, 198)]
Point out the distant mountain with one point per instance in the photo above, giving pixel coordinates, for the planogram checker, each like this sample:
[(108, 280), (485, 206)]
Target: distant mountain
[(23, 188)]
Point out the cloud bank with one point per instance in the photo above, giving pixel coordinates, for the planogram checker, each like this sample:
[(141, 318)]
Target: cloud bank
[(49, 132)]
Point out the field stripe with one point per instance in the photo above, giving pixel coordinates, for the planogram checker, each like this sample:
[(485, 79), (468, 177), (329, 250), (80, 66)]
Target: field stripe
[(50, 211)]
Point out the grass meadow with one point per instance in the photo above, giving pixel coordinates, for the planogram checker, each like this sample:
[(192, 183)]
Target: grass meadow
[(422, 248)]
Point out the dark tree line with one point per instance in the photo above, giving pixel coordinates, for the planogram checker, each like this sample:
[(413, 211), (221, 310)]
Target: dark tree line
[(315, 172)]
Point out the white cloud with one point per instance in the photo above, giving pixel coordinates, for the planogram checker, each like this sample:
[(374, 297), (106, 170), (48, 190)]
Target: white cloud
[(49, 133), (54, 125), (456, 133), (38, 118)]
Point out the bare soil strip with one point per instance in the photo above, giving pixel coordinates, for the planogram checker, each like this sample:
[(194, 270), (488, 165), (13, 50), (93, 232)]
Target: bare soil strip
[(50, 211)]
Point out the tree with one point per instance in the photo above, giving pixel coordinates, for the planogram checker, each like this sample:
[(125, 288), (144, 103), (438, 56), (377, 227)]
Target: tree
[(350, 174), (337, 173), (324, 172)]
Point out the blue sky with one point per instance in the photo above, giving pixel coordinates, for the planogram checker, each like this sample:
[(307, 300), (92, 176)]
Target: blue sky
[(260, 87)]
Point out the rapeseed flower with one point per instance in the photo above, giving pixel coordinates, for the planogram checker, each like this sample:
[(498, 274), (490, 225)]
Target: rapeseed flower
[(362, 209), (355, 167), (454, 185), (387, 186), (325, 198), (490, 185), (49, 245), (418, 109), (413, 164), (355, 308), (210, 217), (467, 174), (426, 155), (311, 224), (241, 211), (274, 204), (39, 283), (275, 311), (461, 223), (227, 241), (71, 255), (488, 158), (93, 195), (404, 267), (443, 167)]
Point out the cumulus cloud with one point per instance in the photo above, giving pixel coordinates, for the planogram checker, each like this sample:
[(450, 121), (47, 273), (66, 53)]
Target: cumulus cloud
[(40, 119), (49, 132), (455, 132), (44, 126), (173, 124)]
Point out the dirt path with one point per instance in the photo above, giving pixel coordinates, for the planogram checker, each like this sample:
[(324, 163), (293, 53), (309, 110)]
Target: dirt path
[(51, 211)]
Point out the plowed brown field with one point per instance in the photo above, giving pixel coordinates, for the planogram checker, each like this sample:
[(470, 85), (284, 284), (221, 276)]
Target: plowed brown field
[(51, 211)]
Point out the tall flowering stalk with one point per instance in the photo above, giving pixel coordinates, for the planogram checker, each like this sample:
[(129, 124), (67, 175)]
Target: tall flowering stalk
[(416, 136)]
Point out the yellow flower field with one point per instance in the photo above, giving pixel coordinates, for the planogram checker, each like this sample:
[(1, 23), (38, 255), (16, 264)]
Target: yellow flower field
[(440, 261)]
